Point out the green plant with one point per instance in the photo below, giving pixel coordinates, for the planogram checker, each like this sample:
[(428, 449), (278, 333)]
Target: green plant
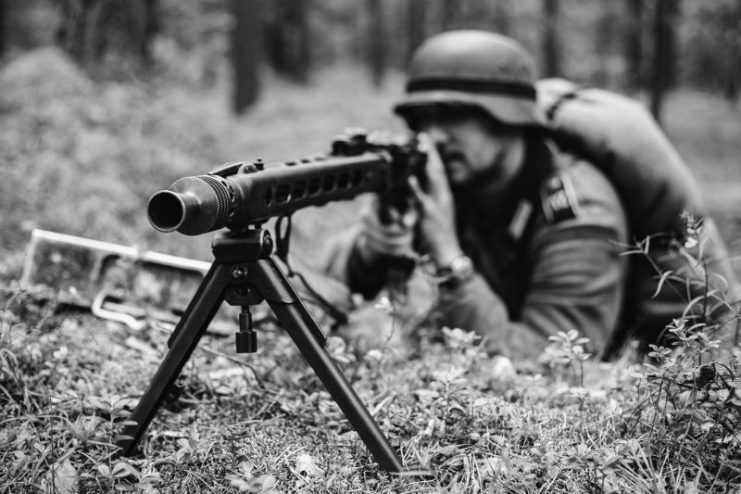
[(687, 408), (566, 356)]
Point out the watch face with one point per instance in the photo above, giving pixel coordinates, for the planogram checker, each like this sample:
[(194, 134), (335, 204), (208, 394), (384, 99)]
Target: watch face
[(459, 271), (461, 266)]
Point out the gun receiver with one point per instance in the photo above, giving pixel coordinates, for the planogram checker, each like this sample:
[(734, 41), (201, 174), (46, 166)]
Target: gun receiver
[(238, 195)]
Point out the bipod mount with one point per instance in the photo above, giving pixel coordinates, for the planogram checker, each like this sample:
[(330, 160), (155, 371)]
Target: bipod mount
[(244, 273)]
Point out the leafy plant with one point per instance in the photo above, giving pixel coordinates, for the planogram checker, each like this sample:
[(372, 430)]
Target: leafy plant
[(687, 409), (566, 353)]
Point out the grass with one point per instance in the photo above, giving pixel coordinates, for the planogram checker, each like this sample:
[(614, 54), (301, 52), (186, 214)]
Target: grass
[(82, 158)]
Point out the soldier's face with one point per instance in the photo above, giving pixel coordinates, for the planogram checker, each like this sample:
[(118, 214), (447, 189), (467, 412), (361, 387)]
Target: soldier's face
[(472, 146)]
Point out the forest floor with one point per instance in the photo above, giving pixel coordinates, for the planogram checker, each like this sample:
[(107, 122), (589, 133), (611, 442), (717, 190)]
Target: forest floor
[(81, 158)]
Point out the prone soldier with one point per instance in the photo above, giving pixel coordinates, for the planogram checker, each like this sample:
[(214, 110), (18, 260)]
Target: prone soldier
[(525, 240)]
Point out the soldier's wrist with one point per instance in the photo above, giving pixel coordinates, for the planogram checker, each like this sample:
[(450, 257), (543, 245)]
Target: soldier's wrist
[(441, 254), (459, 271)]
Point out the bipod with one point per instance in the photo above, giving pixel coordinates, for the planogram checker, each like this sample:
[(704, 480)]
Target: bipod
[(244, 273)]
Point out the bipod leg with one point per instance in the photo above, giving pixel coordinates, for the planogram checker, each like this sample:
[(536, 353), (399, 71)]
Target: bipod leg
[(192, 325), (273, 286)]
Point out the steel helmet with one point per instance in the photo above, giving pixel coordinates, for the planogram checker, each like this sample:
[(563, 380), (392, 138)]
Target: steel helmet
[(473, 68)]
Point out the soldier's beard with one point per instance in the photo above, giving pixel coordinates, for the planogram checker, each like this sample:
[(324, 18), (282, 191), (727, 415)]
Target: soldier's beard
[(484, 192), (491, 178)]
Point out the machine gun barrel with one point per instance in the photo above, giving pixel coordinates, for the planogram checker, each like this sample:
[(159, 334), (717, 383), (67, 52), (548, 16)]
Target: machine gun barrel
[(242, 194)]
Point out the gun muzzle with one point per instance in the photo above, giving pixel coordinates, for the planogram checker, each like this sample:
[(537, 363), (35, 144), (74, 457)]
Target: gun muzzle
[(192, 205)]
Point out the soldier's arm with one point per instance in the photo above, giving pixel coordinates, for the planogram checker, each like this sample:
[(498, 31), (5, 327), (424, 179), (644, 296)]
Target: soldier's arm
[(575, 283), (576, 280), (345, 264)]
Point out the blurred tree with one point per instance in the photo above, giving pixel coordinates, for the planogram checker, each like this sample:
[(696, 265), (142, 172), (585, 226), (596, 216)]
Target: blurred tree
[(375, 41), (478, 14), (289, 39), (93, 29), (664, 59), (633, 44), (2, 27), (245, 53), (730, 16), (502, 17), (150, 28), (551, 41), (607, 22), (716, 47), (452, 14), (466, 14), (416, 25)]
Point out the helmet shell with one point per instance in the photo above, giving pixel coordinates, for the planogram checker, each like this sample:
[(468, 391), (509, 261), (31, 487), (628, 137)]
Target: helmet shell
[(473, 68)]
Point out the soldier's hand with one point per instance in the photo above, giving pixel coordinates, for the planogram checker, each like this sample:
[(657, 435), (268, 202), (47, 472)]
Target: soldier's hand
[(379, 239), (436, 208)]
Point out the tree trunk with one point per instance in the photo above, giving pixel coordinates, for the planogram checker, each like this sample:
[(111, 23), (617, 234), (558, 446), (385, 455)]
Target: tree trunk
[(71, 33), (150, 28), (92, 29), (732, 81), (245, 53), (633, 45), (733, 73), (551, 43), (3, 34), (289, 40), (450, 14), (663, 71), (375, 45), (603, 44), (416, 25), (502, 18)]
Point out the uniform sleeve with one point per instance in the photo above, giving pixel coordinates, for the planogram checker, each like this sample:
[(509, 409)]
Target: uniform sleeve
[(576, 278), (575, 283), (345, 264)]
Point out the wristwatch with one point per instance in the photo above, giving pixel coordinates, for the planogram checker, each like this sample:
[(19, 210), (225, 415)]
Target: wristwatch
[(459, 271)]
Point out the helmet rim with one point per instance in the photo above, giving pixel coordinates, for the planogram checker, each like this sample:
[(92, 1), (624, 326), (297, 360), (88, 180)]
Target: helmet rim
[(502, 108)]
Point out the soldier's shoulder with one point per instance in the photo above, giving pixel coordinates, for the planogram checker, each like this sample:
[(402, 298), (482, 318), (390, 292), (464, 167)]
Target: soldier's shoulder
[(577, 188)]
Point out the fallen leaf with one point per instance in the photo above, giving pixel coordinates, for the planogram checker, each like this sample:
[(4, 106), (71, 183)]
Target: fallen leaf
[(62, 479)]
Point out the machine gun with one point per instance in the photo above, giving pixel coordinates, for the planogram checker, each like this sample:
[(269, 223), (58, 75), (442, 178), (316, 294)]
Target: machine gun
[(242, 197)]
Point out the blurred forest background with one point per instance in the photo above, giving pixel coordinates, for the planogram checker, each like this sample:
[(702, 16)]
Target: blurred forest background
[(105, 101), (629, 44)]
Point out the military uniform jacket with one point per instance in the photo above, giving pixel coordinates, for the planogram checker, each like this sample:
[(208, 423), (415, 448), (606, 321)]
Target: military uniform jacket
[(547, 258)]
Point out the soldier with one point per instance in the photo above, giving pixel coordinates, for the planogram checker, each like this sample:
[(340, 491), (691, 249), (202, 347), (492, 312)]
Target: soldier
[(525, 241)]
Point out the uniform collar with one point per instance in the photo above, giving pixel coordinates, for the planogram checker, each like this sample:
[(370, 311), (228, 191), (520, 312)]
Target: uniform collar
[(478, 207)]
